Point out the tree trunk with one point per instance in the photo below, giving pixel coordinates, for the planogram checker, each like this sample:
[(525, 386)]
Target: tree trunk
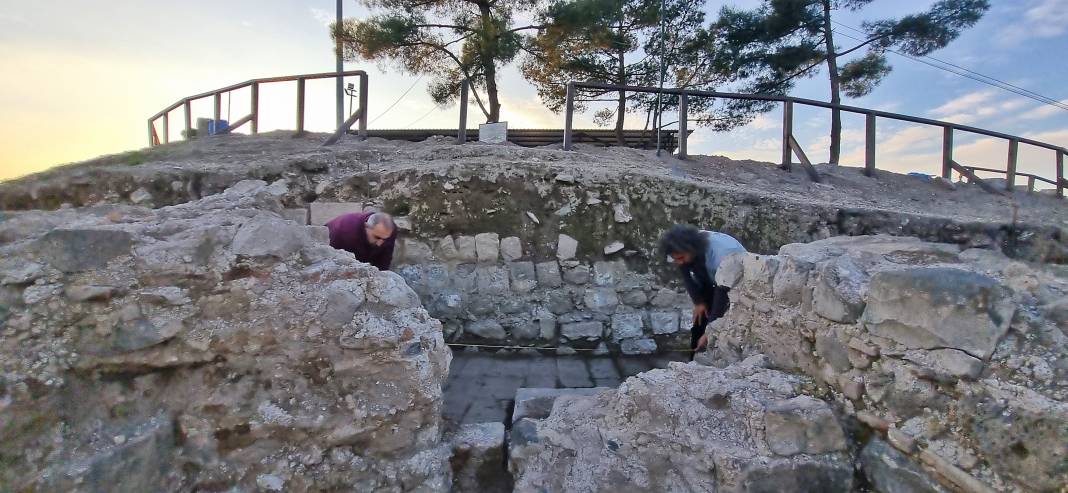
[(621, 108), (489, 39), (836, 97)]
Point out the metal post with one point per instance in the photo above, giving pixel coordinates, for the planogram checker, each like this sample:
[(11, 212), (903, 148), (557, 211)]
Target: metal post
[(1060, 174), (869, 145), (461, 132), (255, 103), (1010, 170), (787, 133), (218, 108), (682, 124), (947, 153), (569, 115), (340, 68), (188, 120), (166, 128), (300, 105), (363, 106), (659, 107)]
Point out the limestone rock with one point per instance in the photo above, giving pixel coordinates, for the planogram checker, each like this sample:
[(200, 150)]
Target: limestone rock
[(466, 249), (199, 321), (839, 291), (664, 322), (579, 274), (602, 300), (613, 247), (523, 276), (487, 247), (416, 251), (626, 326), (566, 247), (621, 213), (548, 274), (630, 436), (582, 330), (938, 307), (275, 238), (802, 425), (477, 455), (76, 250), (511, 249), (638, 346), (890, 471)]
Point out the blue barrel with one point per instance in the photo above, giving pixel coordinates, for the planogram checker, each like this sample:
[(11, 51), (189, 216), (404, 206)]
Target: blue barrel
[(217, 126)]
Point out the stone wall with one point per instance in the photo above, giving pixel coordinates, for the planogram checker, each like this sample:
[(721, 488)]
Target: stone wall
[(210, 346), (956, 360), (493, 290)]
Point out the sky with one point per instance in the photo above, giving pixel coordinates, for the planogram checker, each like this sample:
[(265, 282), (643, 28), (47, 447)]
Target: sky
[(79, 79)]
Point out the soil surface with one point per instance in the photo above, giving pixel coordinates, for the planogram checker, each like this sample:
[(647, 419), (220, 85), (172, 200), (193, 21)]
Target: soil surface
[(843, 187)]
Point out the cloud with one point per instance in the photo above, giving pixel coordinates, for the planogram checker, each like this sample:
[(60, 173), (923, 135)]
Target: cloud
[(1040, 19), (975, 106), (13, 19), (963, 103), (1044, 111), (323, 16)]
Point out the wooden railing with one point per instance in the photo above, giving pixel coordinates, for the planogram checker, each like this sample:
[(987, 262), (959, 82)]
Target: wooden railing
[(253, 117), (790, 146)]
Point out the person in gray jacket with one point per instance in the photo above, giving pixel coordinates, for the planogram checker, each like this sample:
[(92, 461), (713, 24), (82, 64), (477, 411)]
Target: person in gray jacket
[(698, 255)]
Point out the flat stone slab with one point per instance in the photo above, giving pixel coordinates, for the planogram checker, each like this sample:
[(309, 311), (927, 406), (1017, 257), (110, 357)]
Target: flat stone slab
[(538, 403)]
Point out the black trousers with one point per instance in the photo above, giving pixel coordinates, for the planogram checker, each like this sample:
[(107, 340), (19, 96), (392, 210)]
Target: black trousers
[(718, 301)]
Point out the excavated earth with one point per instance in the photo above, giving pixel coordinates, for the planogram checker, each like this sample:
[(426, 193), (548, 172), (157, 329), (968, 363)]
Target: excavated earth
[(172, 319)]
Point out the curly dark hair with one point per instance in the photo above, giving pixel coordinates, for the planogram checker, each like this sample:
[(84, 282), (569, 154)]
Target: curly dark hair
[(682, 238)]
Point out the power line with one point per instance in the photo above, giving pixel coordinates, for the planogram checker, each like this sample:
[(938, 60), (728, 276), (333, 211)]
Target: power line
[(397, 101), (967, 73), (417, 120)]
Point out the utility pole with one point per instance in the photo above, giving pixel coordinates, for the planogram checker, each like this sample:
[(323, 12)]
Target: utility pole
[(340, 68), (659, 107)]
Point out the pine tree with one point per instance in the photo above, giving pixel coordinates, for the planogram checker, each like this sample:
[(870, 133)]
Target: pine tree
[(783, 40), (615, 42), (448, 40)]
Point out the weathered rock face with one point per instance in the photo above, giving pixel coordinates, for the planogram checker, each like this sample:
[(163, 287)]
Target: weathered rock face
[(744, 428), (210, 346), (960, 357)]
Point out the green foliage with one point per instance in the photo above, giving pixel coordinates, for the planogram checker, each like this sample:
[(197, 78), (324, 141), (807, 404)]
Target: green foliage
[(774, 45), (447, 40), (860, 76), (618, 42)]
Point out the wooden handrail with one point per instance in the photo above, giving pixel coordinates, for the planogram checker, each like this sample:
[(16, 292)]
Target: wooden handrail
[(790, 147), (253, 117)]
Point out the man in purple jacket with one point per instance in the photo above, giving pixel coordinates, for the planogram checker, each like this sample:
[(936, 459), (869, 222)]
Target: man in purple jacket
[(370, 236)]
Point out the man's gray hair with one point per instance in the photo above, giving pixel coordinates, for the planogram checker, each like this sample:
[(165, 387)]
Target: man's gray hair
[(381, 218)]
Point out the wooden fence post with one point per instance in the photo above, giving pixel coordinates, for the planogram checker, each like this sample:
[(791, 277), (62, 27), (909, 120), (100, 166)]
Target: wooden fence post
[(166, 128), (362, 128), (255, 108), (869, 145), (1060, 174), (569, 115), (300, 105), (1010, 170), (787, 133), (682, 124), (151, 134), (947, 153), (188, 120)]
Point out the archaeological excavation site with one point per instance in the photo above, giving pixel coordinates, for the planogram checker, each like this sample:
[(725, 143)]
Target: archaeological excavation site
[(175, 320)]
